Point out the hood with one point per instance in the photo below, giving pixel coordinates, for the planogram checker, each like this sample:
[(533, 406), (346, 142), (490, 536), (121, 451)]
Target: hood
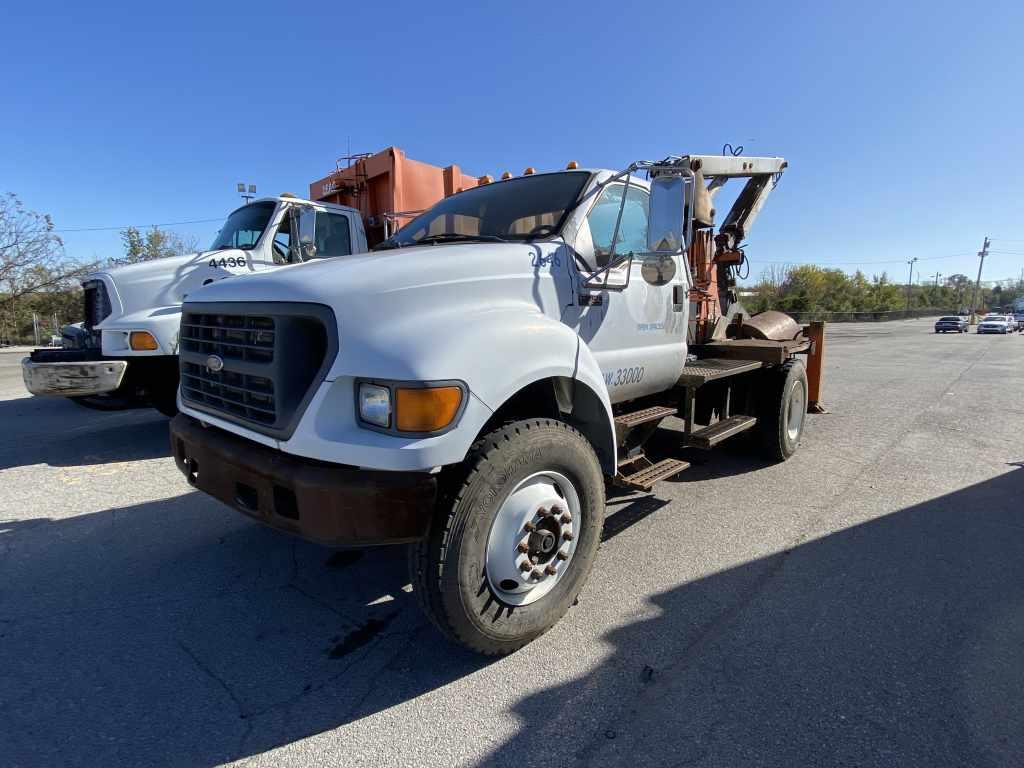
[(415, 294), (393, 275), (166, 282)]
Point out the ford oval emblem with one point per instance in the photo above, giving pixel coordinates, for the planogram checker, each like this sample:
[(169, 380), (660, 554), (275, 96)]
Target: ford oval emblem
[(214, 364)]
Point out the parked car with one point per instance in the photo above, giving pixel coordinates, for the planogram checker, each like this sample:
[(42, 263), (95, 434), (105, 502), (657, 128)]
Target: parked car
[(1019, 317), (997, 324), (952, 323)]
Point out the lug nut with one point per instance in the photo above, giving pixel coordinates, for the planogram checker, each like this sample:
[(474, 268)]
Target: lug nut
[(537, 575), (525, 566), (550, 569), (530, 527), (566, 518), (562, 555), (544, 512), (567, 535), (534, 559), (523, 547)]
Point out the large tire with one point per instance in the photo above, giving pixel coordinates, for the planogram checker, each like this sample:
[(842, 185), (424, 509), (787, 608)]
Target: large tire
[(783, 411), (503, 483)]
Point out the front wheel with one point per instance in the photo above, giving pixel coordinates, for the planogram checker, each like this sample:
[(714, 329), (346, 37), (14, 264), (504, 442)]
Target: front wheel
[(513, 540), (783, 411)]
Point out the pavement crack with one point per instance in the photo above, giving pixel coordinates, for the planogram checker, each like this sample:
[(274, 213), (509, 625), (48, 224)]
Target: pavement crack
[(206, 670)]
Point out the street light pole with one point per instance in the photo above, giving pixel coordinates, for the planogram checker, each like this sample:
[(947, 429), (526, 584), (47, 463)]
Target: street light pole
[(977, 284), (910, 280), (242, 191)]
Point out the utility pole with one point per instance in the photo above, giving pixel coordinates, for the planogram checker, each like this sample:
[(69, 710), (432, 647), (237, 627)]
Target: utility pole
[(910, 280), (937, 276), (977, 283)]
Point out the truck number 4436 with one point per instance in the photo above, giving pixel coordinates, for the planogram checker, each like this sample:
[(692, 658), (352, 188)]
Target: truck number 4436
[(230, 261)]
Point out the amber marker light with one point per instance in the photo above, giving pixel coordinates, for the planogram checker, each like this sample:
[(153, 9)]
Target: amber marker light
[(142, 341), (426, 409)]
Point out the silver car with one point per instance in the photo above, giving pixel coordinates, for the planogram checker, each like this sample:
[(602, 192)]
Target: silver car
[(952, 323), (997, 324)]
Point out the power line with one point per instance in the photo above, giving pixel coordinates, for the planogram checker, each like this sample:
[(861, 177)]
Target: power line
[(856, 263), (137, 226)]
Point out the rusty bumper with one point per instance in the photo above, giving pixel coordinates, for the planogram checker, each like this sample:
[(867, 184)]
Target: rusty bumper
[(326, 503)]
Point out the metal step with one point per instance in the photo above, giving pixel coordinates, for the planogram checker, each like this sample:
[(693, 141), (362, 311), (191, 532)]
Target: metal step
[(636, 418), (649, 474), (709, 437)]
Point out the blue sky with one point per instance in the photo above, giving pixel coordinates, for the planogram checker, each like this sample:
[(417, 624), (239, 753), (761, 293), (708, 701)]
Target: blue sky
[(902, 121)]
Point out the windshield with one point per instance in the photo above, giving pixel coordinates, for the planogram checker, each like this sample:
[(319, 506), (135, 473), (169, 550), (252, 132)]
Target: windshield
[(520, 209), (244, 227), (949, 319)]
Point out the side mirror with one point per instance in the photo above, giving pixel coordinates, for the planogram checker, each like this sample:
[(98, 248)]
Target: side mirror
[(667, 222)]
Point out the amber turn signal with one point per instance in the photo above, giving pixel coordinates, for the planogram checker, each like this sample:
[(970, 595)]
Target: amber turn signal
[(426, 409), (142, 341)]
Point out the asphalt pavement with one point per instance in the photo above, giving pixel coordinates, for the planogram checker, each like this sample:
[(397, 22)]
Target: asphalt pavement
[(861, 604)]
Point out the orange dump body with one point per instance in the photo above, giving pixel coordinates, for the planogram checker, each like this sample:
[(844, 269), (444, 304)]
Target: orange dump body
[(389, 189)]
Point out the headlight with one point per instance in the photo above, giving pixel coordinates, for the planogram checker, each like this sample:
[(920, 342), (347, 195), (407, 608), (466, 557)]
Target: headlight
[(375, 405), (411, 407)]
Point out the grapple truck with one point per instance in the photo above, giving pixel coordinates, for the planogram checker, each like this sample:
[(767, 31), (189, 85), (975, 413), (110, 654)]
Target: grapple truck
[(471, 386), (126, 350)]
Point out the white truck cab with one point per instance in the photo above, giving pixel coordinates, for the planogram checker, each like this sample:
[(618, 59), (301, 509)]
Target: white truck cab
[(470, 385), (127, 347)]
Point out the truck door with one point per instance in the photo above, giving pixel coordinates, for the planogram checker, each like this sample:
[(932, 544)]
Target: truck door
[(639, 337)]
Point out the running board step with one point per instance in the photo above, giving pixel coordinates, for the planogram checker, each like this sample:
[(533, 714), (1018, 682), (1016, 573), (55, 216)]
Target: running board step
[(636, 418), (709, 437), (627, 423), (644, 478)]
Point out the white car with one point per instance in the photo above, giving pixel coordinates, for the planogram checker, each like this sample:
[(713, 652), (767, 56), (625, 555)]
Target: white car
[(997, 324)]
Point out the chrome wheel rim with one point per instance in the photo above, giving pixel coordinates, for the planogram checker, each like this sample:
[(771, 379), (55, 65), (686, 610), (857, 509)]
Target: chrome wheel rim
[(533, 538), (797, 409)]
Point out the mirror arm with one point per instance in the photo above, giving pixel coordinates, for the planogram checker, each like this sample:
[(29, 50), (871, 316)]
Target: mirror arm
[(605, 270), (618, 219)]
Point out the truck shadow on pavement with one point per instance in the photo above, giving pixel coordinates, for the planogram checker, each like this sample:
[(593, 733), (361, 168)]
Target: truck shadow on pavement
[(176, 632), (898, 641), (60, 433)]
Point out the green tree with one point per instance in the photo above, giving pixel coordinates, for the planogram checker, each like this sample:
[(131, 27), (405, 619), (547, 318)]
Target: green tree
[(154, 243)]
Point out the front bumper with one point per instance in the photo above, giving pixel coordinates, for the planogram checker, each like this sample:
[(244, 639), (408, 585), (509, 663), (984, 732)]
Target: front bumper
[(71, 373), (327, 503)]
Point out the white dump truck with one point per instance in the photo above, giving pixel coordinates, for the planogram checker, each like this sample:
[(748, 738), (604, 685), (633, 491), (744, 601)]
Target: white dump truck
[(126, 349), (471, 385)]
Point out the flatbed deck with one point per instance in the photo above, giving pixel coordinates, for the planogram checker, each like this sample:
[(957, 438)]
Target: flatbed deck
[(765, 351)]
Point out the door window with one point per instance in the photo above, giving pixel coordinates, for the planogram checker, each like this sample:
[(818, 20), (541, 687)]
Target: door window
[(632, 230), (332, 235)]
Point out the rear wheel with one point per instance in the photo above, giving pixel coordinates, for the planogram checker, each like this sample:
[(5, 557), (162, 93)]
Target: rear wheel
[(783, 411), (513, 541)]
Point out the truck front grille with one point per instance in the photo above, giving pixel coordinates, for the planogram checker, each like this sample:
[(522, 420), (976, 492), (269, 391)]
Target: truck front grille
[(97, 303), (255, 364)]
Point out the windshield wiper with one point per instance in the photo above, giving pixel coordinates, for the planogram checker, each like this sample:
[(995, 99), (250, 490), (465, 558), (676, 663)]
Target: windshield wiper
[(454, 237)]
